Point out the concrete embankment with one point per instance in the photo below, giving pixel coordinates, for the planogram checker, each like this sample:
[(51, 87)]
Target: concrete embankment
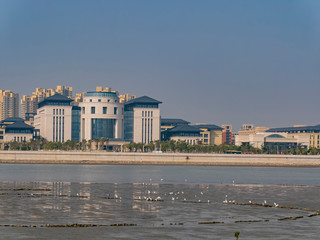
[(61, 157)]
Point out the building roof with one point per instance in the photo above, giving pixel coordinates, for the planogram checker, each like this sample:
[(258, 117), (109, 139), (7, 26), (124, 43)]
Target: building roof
[(13, 119), (184, 128), (289, 129), (275, 136), (19, 125), (173, 121), (57, 98), (143, 100), (208, 126)]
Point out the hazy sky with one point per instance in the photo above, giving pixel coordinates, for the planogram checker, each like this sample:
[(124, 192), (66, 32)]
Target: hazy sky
[(220, 62)]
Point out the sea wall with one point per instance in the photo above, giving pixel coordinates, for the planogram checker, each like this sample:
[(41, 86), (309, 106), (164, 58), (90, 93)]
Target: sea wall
[(62, 157)]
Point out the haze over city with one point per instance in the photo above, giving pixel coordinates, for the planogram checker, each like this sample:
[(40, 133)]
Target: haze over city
[(220, 62)]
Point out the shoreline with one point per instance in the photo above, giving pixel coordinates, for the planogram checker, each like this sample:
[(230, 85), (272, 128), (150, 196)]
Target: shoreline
[(130, 158)]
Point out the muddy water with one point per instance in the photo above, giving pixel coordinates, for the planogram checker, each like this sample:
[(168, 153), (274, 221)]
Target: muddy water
[(154, 202)]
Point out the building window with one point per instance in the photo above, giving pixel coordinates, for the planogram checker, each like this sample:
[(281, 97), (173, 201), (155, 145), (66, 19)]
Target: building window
[(25, 139), (62, 129), (83, 110), (205, 140), (142, 113), (151, 113), (54, 112), (90, 100), (104, 110), (115, 111), (148, 113), (99, 100), (205, 135), (15, 139), (53, 129), (62, 111), (93, 110)]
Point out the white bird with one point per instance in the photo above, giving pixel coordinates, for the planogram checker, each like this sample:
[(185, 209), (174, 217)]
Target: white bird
[(249, 201), (172, 199), (276, 205), (225, 201), (161, 179)]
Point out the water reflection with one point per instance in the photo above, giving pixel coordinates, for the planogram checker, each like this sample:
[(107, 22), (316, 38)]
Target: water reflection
[(188, 206)]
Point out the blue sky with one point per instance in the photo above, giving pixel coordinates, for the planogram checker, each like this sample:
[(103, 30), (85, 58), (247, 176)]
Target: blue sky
[(220, 62)]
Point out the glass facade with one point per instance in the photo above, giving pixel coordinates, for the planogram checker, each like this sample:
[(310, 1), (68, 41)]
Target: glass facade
[(75, 127), (128, 125), (102, 128)]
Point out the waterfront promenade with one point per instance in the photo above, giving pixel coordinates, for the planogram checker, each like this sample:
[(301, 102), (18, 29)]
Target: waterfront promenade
[(110, 158)]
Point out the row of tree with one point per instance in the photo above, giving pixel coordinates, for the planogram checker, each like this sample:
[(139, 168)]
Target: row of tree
[(70, 145), (164, 146)]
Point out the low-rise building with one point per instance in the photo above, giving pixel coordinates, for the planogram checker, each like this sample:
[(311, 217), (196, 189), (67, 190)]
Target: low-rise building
[(16, 130), (298, 131), (210, 134), (187, 133), (271, 140), (167, 123)]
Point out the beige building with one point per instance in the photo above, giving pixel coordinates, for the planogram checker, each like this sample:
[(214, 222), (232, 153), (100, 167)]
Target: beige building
[(248, 129), (126, 97), (53, 118), (29, 104), (184, 132), (9, 104), (260, 139), (142, 120), (101, 115), (210, 134), (299, 131)]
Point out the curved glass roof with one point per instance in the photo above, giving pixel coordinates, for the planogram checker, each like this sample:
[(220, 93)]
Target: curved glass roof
[(275, 136), (101, 94)]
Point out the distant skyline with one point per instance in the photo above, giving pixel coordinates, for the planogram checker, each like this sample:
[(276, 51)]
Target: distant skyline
[(219, 62)]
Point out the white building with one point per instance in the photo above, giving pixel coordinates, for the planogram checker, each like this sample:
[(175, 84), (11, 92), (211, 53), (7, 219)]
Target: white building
[(101, 116), (53, 118), (260, 139), (142, 120), (16, 130)]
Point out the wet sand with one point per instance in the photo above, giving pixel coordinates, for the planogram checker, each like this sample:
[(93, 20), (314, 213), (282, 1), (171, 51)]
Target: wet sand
[(113, 158)]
